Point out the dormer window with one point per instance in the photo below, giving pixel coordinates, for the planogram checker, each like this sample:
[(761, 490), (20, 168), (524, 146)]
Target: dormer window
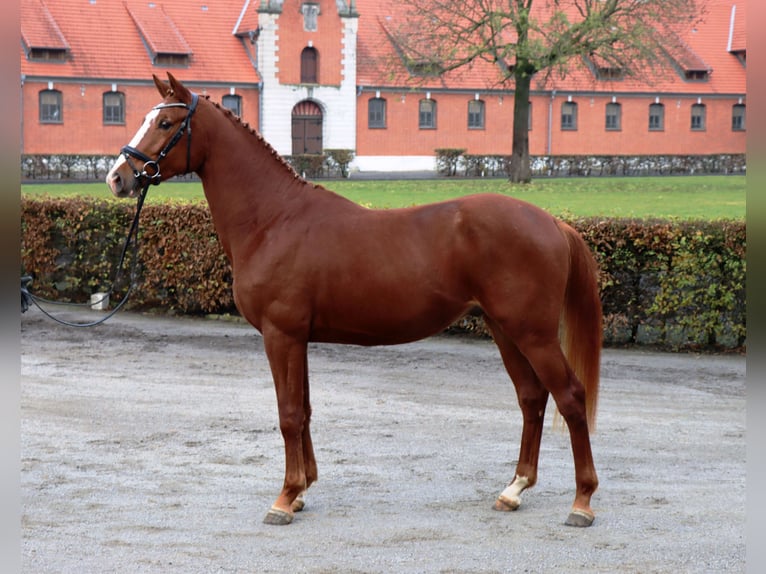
[(696, 75), (48, 54), (604, 69), (310, 11)]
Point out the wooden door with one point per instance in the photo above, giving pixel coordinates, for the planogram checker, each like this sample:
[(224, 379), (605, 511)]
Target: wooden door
[(307, 129)]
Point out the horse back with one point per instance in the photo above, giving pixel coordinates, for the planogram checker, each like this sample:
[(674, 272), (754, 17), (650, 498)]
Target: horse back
[(350, 274)]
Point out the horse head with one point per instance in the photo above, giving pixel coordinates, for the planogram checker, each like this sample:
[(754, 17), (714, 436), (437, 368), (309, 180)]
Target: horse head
[(153, 155)]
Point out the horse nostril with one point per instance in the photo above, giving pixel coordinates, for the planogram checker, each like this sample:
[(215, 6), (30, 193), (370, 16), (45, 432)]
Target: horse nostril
[(115, 183)]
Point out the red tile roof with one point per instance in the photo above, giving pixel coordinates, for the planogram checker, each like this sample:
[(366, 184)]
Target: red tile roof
[(106, 42), (157, 28), (39, 28), (379, 64), (247, 20), (703, 48), (737, 28), (113, 40)]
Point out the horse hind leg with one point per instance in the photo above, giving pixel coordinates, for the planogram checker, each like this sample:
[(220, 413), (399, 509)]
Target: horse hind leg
[(552, 369), (532, 397)]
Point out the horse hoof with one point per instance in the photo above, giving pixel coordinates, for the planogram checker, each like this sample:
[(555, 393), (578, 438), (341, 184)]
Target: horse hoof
[(298, 504), (580, 518), (504, 504), (278, 517)]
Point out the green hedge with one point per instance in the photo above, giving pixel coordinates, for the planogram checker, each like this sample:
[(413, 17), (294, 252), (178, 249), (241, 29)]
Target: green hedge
[(678, 285), (71, 247)]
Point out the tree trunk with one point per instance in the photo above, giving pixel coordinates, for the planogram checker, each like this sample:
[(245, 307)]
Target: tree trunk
[(520, 170)]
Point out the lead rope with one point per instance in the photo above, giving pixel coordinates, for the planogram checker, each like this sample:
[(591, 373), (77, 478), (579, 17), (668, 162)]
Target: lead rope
[(150, 179), (28, 298)]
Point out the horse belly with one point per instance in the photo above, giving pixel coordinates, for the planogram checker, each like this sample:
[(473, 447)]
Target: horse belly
[(386, 320)]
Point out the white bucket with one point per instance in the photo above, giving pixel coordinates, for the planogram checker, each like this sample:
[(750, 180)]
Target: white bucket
[(99, 301)]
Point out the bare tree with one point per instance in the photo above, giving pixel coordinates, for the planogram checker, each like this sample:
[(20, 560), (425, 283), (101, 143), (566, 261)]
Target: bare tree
[(525, 38)]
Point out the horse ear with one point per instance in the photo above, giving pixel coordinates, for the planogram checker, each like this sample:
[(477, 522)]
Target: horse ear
[(162, 87), (179, 90)]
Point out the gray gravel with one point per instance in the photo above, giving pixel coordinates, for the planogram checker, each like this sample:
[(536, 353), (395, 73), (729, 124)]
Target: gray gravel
[(151, 445)]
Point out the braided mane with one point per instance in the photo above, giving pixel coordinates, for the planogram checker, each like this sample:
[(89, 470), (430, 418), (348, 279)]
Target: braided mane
[(238, 121)]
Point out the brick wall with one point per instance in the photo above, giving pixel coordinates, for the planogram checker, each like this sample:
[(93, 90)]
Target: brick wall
[(83, 131), (402, 136), (326, 40)]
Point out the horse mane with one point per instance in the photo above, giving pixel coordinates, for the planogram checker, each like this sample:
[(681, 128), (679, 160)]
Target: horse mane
[(238, 121)]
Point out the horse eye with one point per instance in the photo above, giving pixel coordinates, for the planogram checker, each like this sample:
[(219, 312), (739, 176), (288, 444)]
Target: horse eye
[(165, 125)]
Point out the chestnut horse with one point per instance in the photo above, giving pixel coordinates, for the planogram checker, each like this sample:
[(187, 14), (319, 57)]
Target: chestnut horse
[(309, 265)]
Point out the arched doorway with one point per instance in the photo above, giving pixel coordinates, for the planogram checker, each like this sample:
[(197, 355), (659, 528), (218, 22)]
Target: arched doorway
[(307, 128)]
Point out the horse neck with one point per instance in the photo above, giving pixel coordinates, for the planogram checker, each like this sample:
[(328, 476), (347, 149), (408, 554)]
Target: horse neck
[(248, 186)]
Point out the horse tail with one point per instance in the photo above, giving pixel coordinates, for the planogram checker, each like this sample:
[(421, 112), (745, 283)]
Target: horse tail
[(582, 328)]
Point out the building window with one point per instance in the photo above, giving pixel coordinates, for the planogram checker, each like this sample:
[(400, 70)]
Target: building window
[(738, 117), (427, 114), (171, 60), (569, 116), (475, 115), (613, 117), (114, 108), (376, 113), (309, 66), (310, 12), (656, 117), (48, 54), (233, 103), (51, 107), (696, 75), (698, 117)]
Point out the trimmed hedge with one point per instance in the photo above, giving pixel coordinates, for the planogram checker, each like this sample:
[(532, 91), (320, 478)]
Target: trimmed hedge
[(674, 284), (449, 162), (455, 162), (71, 248)]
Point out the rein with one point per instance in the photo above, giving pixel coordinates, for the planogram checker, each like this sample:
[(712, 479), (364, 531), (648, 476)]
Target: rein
[(149, 176), (27, 297)]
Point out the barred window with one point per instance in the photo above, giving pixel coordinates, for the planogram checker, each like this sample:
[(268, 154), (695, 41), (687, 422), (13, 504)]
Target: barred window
[(569, 116), (376, 113), (613, 117), (233, 102), (738, 117), (114, 108), (475, 115), (427, 114), (51, 107), (656, 117), (698, 117)]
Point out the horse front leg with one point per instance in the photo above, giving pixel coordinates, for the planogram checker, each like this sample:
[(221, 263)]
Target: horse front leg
[(309, 460), (288, 361)]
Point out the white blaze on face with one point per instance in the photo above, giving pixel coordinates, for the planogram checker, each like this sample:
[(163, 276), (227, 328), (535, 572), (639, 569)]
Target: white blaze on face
[(142, 131)]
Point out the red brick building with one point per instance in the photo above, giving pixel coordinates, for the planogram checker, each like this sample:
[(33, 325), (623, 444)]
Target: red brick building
[(313, 75)]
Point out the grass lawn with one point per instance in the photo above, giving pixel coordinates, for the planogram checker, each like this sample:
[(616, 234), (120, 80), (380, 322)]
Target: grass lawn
[(678, 197)]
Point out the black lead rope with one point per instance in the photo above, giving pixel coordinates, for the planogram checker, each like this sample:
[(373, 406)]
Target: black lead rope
[(149, 176), (28, 298)]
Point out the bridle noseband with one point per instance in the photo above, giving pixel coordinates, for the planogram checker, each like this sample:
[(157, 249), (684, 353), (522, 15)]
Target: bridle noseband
[(151, 170)]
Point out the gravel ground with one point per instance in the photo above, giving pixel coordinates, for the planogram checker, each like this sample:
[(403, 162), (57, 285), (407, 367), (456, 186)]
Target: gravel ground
[(151, 444)]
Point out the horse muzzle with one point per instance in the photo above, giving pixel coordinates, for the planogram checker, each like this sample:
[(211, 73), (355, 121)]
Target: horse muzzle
[(122, 185)]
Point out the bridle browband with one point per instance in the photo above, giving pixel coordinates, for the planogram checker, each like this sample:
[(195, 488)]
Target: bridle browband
[(151, 170)]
